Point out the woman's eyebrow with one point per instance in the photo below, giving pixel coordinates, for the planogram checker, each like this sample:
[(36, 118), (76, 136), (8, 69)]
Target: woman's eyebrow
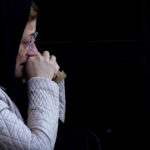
[(29, 35)]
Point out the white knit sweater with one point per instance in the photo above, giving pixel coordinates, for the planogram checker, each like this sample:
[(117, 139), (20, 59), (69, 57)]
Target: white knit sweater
[(46, 106)]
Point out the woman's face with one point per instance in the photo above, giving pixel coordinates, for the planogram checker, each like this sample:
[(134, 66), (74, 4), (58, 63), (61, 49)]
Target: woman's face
[(26, 51)]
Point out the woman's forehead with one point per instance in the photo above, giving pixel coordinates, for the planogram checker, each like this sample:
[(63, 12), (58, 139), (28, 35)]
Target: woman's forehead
[(30, 28)]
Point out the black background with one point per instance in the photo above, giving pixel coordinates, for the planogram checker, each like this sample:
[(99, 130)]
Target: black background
[(103, 46)]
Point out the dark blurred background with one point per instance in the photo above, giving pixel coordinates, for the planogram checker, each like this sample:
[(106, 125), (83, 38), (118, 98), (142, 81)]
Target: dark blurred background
[(103, 46)]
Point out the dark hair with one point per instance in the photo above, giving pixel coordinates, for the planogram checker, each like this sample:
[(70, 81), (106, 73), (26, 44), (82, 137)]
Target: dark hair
[(33, 12)]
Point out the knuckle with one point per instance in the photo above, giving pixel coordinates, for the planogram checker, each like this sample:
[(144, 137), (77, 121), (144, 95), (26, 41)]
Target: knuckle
[(53, 57), (46, 52)]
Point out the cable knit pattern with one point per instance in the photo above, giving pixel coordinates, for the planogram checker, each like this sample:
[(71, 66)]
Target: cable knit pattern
[(62, 101), (42, 124)]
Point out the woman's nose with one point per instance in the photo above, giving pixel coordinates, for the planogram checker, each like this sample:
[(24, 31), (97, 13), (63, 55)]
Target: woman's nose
[(32, 51)]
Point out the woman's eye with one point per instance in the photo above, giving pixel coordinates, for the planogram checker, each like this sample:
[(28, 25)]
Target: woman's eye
[(26, 42)]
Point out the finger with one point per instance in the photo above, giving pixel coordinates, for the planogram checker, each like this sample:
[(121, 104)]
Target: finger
[(46, 55), (39, 54), (56, 68), (53, 59)]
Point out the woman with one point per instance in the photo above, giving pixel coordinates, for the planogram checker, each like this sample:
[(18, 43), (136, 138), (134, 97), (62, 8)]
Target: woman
[(40, 131), (43, 100)]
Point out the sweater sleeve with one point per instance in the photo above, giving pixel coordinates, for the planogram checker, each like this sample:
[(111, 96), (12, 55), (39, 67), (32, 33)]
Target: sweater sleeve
[(42, 123), (62, 101)]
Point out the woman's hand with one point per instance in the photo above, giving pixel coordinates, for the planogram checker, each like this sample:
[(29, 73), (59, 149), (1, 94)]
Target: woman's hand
[(44, 66), (56, 67)]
